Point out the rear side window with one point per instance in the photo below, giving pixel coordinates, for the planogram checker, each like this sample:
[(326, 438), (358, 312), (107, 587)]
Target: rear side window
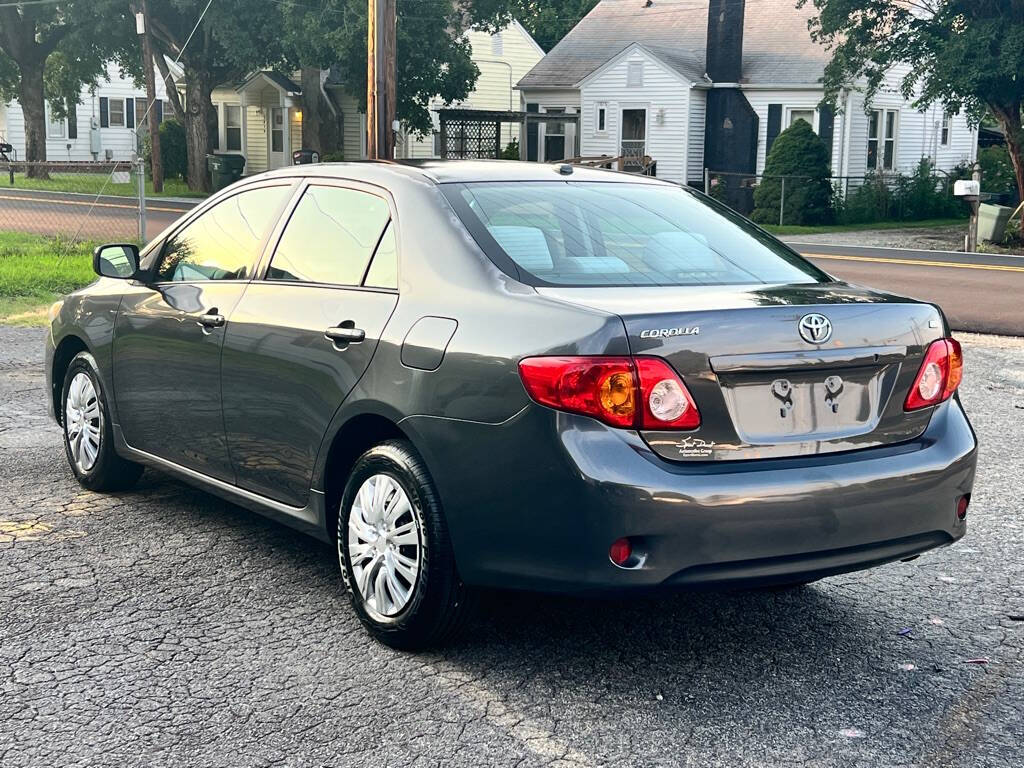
[(224, 242), (383, 272), (618, 234), (330, 237)]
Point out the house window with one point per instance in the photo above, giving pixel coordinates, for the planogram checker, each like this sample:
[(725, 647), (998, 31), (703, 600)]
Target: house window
[(141, 116), (882, 139), (807, 115), (497, 45), (947, 128), (601, 118), (635, 74), (233, 127), (116, 107), (54, 128)]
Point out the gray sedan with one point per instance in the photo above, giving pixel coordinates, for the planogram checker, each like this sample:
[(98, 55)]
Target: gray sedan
[(515, 375)]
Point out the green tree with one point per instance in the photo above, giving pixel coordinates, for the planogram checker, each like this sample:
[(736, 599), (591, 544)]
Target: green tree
[(547, 21), (799, 153), (49, 51), (965, 54), (234, 38)]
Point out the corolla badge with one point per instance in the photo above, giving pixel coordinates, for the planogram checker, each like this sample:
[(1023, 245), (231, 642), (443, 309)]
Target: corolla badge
[(815, 328), (665, 333)]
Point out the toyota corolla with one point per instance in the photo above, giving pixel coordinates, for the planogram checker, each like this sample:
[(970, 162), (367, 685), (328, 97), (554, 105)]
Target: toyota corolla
[(515, 375)]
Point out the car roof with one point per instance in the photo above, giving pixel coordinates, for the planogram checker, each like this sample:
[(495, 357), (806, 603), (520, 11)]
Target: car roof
[(456, 171)]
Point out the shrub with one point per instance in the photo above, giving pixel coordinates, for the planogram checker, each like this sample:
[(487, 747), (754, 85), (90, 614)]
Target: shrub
[(332, 157), (800, 153), (923, 195), (997, 174), (173, 150), (511, 151), (870, 201)]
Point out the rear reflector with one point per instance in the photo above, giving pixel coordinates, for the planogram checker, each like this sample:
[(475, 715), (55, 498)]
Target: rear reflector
[(628, 392), (620, 551), (939, 376), (961, 506)]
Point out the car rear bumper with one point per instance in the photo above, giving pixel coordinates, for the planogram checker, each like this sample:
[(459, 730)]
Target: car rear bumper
[(536, 502)]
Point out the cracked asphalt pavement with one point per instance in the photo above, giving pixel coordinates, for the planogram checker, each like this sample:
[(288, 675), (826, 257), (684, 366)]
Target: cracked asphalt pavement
[(165, 627)]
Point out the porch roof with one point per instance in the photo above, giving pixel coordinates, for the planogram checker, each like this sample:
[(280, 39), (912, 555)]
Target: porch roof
[(290, 91)]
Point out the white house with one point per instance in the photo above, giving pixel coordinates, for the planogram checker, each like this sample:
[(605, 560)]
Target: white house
[(698, 84), (103, 125)]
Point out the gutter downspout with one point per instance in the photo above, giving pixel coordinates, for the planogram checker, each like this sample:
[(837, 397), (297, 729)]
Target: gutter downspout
[(510, 88)]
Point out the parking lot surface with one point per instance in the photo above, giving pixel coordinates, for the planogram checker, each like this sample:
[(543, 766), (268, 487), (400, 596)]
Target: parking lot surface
[(165, 627)]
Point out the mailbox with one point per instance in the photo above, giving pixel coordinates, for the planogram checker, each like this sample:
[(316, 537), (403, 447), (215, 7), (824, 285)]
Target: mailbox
[(966, 188)]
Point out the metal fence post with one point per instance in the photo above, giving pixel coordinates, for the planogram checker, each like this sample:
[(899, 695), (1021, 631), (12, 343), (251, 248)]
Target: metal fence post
[(141, 170), (782, 200)]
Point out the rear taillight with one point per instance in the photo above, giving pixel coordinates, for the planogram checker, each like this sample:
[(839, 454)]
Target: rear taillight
[(939, 375), (635, 393)]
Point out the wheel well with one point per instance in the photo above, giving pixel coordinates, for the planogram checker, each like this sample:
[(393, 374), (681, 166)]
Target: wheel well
[(356, 437), (62, 357)]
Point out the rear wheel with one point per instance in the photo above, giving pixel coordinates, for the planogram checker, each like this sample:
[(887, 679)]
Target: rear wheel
[(88, 435), (394, 551)]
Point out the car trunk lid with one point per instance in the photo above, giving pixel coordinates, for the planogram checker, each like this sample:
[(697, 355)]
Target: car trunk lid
[(763, 386)]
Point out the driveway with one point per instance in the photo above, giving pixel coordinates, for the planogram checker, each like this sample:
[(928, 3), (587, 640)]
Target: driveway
[(166, 627)]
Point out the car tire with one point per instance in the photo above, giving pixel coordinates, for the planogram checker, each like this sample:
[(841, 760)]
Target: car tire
[(88, 434), (390, 523)]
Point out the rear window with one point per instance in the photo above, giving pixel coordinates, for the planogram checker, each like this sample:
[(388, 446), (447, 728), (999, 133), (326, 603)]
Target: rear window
[(613, 234)]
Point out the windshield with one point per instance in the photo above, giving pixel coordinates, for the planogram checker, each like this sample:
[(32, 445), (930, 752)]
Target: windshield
[(608, 234)]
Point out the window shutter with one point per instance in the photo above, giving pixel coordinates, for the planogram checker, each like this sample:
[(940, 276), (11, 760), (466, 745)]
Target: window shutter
[(129, 113), (73, 121), (104, 113), (774, 126), (826, 124), (158, 111), (531, 134)]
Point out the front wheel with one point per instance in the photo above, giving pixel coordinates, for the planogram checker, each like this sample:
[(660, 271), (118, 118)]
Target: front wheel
[(88, 435), (395, 553)]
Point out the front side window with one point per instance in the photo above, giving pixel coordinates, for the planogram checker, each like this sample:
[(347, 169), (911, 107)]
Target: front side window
[(233, 127), (882, 125), (330, 237), (224, 242), (621, 234), (116, 107)]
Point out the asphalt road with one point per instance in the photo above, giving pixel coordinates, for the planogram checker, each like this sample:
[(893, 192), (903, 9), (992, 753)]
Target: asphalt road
[(166, 627), (979, 293), (983, 293)]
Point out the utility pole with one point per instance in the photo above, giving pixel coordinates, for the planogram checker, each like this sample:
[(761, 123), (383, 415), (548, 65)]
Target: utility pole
[(156, 161), (381, 104)]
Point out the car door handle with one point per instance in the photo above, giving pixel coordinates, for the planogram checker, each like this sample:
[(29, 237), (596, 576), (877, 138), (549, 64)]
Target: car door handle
[(342, 335), (210, 319)]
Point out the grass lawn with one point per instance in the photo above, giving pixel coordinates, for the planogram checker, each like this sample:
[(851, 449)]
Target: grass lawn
[(35, 271), (824, 230), (92, 183)]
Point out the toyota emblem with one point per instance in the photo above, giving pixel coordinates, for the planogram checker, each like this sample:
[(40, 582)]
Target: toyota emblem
[(815, 328)]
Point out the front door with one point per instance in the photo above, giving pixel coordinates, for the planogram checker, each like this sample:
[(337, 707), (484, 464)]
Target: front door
[(276, 156), (634, 138), (169, 332), (302, 336)]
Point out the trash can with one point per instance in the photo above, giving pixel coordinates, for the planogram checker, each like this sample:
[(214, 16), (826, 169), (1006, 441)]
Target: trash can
[(992, 221), (224, 169), (305, 156)]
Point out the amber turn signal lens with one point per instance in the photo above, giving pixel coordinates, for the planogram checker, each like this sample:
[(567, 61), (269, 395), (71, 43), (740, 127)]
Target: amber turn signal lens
[(617, 394)]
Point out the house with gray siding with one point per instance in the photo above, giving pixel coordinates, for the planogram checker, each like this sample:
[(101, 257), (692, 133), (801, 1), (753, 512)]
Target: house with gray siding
[(697, 84)]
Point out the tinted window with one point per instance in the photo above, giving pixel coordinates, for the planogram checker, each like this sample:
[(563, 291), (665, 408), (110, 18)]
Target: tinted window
[(383, 272), (330, 237), (223, 243), (584, 233)]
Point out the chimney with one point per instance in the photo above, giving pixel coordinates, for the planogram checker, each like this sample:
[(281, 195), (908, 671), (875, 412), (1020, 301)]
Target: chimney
[(724, 55)]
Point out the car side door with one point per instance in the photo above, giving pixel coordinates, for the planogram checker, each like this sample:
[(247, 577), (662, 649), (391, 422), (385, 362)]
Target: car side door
[(304, 333), (170, 328)]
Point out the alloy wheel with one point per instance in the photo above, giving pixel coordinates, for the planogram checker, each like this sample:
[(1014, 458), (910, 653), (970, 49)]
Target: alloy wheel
[(384, 544)]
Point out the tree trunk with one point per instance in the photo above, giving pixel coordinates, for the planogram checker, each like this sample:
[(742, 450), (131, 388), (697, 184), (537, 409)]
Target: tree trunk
[(33, 106), (319, 123), (1009, 120), (198, 116)]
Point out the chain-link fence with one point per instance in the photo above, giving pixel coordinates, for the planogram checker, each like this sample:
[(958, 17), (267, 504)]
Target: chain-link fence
[(91, 202), (807, 200)]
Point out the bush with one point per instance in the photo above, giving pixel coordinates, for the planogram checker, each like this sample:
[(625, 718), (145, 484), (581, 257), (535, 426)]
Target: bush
[(797, 152), (332, 157), (511, 152), (173, 150), (923, 195), (871, 201), (997, 174)]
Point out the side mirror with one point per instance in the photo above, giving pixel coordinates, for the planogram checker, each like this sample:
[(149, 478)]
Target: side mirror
[(119, 260)]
